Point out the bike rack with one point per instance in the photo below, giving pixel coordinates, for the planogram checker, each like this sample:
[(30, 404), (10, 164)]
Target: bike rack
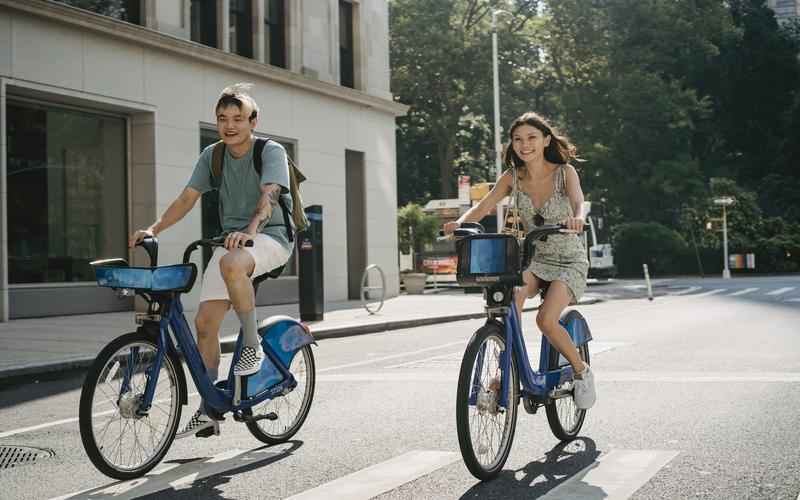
[(366, 289)]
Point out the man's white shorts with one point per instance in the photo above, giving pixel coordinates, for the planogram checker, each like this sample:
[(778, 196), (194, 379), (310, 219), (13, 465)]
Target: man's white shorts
[(267, 253)]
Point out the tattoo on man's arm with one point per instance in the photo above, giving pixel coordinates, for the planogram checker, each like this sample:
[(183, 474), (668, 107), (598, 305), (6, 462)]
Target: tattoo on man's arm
[(273, 192), (270, 195)]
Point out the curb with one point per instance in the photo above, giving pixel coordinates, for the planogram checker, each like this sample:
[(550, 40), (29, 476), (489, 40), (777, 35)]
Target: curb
[(229, 343)]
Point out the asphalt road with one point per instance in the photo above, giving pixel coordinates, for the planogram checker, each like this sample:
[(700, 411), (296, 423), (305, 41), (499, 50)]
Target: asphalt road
[(699, 397)]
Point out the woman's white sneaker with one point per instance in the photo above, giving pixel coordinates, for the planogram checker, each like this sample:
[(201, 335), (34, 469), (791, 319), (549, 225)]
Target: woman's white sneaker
[(585, 395)]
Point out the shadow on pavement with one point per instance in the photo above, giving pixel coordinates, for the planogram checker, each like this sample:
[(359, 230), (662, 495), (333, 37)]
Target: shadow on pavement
[(194, 478), (23, 388), (540, 476)]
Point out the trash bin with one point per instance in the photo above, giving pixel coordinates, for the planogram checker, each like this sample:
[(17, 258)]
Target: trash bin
[(310, 276)]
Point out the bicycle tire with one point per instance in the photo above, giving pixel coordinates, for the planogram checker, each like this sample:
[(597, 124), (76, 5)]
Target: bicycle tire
[(491, 331), (564, 417), (105, 369), (263, 432)]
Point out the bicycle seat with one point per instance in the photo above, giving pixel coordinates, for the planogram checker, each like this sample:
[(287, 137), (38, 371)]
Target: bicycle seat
[(275, 273)]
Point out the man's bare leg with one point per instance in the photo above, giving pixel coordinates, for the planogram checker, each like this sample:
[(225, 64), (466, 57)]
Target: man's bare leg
[(208, 320), (237, 266)]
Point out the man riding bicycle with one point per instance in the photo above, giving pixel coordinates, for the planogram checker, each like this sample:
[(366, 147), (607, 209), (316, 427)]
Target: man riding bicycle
[(250, 210)]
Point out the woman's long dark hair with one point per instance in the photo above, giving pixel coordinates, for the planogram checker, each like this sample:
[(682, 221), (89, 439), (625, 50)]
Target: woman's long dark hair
[(560, 151)]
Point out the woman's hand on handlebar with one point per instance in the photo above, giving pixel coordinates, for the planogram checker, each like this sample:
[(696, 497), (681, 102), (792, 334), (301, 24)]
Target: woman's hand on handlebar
[(574, 224), (237, 239), (139, 235), (451, 226)]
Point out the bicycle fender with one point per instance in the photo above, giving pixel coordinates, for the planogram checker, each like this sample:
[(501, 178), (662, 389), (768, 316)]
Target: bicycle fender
[(285, 336), (577, 327)]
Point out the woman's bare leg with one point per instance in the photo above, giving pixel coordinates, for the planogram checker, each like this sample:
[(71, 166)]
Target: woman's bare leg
[(557, 299), (528, 289)]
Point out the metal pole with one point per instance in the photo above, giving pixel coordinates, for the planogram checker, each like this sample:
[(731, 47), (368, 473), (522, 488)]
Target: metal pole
[(647, 280), (726, 273), (496, 89)]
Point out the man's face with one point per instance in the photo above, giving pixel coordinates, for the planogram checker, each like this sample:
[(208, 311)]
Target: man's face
[(234, 125)]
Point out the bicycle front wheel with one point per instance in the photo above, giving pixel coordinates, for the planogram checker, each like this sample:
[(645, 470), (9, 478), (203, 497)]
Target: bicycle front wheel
[(123, 439), (485, 429), (290, 409)]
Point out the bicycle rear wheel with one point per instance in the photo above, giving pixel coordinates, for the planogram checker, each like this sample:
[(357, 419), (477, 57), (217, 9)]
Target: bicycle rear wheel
[(485, 429), (123, 440), (564, 417), (292, 408)]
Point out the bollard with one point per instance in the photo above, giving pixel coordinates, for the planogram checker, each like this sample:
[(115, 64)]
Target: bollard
[(647, 279)]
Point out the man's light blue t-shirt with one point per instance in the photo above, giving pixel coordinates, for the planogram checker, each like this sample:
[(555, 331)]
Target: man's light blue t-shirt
[(240, 191)]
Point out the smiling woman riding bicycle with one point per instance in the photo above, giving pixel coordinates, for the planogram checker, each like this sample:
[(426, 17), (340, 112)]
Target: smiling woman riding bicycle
[(539, 169)]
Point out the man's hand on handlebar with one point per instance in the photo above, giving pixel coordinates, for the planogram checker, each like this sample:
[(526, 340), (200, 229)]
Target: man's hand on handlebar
[(139, 235), (237, 239)]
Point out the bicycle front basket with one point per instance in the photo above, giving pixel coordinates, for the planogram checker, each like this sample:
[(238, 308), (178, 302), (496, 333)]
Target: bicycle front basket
[(488, 259), (177, 278)]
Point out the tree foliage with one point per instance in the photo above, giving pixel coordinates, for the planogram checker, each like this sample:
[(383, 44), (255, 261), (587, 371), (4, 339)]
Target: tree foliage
[(669, 103)]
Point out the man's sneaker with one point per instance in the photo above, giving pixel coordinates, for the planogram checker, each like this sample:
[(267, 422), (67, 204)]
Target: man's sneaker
[(200, 425), (585, 395), (249, 361)]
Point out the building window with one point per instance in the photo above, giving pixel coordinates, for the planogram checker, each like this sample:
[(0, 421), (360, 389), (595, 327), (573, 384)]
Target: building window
[(210, 202), (275, 32), (124, 10), (241, 27), (346, 49), (204, 22), (66, 181)]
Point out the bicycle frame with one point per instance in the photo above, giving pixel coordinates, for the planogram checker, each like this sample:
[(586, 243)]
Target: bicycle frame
[(219, 398), (539, 383)]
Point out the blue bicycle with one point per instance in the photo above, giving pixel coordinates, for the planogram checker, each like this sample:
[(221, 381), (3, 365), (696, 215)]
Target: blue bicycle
[(131, 400), (495, 370)]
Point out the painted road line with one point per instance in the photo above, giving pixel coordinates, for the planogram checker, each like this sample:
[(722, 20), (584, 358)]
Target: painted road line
[(532, 346), (392, 356), (743, 292), (615, 476), (711, 292), (796, 299), (439, 376), (781, 291), (687, 290), (178, 476), (380, 478)]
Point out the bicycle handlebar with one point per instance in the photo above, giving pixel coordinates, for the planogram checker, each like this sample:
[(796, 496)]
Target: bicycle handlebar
[(218, 241)]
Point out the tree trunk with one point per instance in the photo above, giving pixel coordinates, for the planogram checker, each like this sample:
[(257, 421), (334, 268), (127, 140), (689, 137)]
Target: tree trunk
[(446, 156)]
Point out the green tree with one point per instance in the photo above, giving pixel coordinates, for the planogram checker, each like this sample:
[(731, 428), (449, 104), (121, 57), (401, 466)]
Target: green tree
[(441, 67)]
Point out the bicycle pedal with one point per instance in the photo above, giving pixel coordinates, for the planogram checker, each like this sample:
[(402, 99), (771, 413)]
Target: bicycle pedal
[(268, 416), (206, 433)]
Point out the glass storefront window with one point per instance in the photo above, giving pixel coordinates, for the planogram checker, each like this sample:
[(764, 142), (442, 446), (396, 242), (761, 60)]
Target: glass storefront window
[(67, 200), (210, 202), (124, 10)]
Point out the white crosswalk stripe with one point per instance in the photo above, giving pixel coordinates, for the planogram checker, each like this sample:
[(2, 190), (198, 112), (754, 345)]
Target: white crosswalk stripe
[(781, 291), (616, 475), (711, 292), (691, 289), (175, 476), (380, 478), (743, 292)]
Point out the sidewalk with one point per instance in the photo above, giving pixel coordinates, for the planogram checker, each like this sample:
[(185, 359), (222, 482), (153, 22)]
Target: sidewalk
[(36, 346)]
